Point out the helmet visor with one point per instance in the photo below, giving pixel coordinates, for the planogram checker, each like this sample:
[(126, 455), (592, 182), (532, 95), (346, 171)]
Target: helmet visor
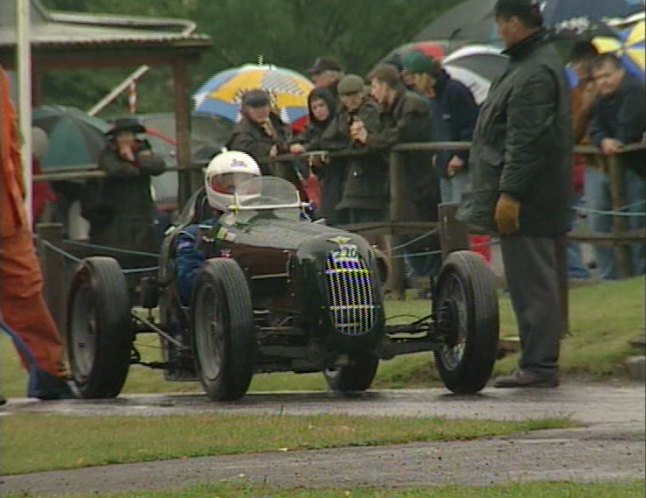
[(226, 183)]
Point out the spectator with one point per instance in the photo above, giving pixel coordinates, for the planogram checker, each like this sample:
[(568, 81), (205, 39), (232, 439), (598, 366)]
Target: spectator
[(618, 119), (521, 182), (21, 302), (454, 112), (261, 134), (326, 73), (363, 193), (397, 61), (41, 194), (583, 96), (405, 117), (322, 109), (129, 163)]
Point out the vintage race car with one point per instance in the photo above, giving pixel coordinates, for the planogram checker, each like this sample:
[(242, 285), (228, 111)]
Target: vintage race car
[(277, 292)]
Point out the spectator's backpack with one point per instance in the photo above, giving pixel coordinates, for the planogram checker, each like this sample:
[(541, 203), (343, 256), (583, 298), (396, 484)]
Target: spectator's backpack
[(96, 207)]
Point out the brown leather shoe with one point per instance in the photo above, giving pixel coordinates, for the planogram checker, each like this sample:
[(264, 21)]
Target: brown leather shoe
[(523, 378)]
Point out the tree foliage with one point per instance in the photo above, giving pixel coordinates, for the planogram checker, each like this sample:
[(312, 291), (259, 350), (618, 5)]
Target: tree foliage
[(289, 33)]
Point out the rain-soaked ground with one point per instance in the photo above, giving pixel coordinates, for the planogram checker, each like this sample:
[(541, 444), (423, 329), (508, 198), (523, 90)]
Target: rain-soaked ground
[(609, 448)]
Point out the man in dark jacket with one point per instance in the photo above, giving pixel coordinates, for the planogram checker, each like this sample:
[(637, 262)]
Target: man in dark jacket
[(326, 73), (364, 189), (129, 163), (618, 119), (521, 183), (261, 134), (405, 117), (453, 111)]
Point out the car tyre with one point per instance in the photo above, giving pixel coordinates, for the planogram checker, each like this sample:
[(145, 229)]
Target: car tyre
[(356, 376), (467, 316), (223, 330), (99, 328)]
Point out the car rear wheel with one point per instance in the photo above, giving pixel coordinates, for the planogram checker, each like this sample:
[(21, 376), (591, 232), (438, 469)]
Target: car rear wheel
[(223, 330), (467, 317), (356, 376), (99, 328)]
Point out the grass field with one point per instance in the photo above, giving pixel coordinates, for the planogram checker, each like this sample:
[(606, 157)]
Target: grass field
[(27, 440), (529, 490), (604, 319)]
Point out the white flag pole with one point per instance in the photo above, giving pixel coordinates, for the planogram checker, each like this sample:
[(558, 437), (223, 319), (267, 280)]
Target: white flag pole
[(23, 69)]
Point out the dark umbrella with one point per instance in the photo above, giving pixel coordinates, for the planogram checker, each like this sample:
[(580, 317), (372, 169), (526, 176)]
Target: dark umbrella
[(75, 137), (581, 14), (472, 21), (469, 22)]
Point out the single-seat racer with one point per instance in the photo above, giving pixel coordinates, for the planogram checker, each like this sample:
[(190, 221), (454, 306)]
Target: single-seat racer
[(270, 290)]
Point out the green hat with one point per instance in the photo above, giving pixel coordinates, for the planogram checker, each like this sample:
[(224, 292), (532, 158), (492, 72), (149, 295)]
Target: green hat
[(416, 62), (350, 83)]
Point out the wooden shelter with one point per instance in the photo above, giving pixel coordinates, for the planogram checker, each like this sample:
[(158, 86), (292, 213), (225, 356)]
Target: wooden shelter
[(66, 40)]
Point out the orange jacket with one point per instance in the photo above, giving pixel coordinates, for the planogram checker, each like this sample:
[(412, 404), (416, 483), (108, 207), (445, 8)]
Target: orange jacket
[(12, 189)]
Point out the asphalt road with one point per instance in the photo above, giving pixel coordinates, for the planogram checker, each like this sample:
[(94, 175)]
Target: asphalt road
[(609, 448)]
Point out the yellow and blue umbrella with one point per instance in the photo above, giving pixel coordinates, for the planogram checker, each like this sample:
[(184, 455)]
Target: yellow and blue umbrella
[(221, 94), (628, 46)]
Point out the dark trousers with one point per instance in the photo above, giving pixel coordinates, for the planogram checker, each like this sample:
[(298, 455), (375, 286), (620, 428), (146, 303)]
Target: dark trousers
[(532, 273)]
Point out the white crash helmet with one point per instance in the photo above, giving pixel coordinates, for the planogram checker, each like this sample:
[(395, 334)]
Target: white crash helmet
[(225, 172)]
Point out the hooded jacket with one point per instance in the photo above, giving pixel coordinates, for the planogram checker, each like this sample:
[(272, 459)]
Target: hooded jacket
[(311, 137)]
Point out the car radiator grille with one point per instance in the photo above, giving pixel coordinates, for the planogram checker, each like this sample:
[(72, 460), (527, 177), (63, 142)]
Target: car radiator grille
[(350, 291)]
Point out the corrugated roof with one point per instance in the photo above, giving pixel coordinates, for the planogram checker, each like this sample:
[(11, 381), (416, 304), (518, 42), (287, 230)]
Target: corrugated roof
[(49, 28)]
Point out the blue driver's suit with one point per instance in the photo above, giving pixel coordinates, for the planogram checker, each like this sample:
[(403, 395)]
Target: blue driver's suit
[(189, 259)]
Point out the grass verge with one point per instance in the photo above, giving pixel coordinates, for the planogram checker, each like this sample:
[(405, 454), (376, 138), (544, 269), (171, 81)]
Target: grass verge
[(29, 440), (528, 490)]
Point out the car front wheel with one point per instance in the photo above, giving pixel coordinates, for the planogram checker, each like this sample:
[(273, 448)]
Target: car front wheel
[(223, 330)]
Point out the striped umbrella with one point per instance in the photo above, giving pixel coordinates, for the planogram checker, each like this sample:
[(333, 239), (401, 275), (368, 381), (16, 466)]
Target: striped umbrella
[(221, 94), (628, 46)]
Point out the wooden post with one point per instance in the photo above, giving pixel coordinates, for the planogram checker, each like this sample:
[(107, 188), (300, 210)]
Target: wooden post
[(397, 213), (188, 181), (454, 235), (619, 223), (53, 270)]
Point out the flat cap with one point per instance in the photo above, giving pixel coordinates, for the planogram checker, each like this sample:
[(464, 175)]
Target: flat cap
[(350, 83), (256, 98)]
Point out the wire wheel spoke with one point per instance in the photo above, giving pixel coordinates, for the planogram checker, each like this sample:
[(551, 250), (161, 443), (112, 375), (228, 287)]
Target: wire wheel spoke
[(454, 305)]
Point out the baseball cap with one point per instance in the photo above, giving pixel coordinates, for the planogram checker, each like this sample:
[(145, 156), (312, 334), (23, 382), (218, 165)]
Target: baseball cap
[(416, 62), (324, 64)]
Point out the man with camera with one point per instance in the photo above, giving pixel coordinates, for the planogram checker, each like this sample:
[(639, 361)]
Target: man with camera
[(126, 220)]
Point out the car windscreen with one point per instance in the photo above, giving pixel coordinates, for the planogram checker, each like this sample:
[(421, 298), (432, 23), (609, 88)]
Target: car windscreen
[(263, 197)]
